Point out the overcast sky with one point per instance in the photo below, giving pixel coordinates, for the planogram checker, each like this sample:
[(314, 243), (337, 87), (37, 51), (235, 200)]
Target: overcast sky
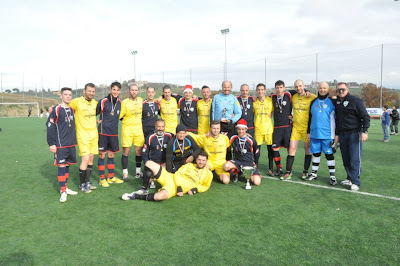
[(92, 39)]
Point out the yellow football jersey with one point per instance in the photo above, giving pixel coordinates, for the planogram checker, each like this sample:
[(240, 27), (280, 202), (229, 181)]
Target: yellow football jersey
[(203, 112), (189, 176), (262, 116), (169, 114), (215, 147), (301, 109), (85, 117), (131, 113)]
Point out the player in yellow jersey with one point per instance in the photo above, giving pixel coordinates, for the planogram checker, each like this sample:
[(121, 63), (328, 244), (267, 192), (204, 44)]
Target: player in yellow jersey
[(168, 107), (190, 178), (132, 130), (301, 108), (86, 134), (263, 127), (203, 110), (216, 145)]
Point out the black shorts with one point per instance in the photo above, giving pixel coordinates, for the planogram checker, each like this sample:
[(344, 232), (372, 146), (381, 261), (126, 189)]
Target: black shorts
[(228, 129), (238, 164), (65, 156), (281, 137), (148, 131), (108, 143)]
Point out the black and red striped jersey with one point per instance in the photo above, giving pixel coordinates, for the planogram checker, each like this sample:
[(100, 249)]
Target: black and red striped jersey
[(150, 113), (155, 147), (61, 127), (246, 104), (109, 109), (244, 149), (282, 109), (188, 111)]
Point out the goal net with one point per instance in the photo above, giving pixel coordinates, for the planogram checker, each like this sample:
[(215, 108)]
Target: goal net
[(20, 109)]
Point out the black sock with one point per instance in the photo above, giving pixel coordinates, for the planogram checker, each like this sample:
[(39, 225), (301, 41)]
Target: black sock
[(256, 159), (124, 162), (307, 162), (270, 157), (82, 175), (88, 173), (228, 154), (138, 161), (289, 163), (146, 178), (148, 197)]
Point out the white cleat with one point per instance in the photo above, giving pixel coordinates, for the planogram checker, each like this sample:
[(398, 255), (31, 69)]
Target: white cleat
[(346, 182), (152, 185), (71, 192), (63, 197), (127, 196), (354, 188)]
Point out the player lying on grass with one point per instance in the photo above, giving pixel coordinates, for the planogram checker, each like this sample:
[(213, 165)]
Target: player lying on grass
[(190, 178), (61, 137)]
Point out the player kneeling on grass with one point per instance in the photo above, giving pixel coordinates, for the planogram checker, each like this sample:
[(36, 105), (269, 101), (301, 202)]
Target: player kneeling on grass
[(109, 108), (190, 178), (245, 152), (321, 131), (61, 138)]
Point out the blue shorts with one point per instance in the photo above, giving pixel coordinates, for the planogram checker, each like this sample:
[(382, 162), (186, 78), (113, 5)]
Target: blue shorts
[(321, 145), (65, 155), (108, 143)]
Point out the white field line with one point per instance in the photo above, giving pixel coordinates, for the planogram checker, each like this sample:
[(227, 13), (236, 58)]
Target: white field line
[(307, 183)]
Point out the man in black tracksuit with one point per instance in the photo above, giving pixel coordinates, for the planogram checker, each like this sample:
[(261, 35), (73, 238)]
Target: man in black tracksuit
[(352, 123), (395, 121)]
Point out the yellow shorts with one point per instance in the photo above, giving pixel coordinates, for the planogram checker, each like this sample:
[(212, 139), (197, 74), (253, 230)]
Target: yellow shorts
[(299, 135), (88, 145), (217, 167), (166, 180), (130, 137), (267, 138)]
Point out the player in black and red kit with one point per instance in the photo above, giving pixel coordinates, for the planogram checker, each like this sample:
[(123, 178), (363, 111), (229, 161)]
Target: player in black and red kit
[(246, 104), (245, 153), (154, 149), (109, 109), (61, 137), (282, 102), (150, 113)]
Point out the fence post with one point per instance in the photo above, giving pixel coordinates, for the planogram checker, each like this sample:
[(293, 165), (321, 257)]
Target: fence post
[(265, 72), (316, 73), (381, 76)]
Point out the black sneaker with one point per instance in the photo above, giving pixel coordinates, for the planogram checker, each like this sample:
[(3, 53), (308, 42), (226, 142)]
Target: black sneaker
[(279, 172), (333, 181), (310, 177)]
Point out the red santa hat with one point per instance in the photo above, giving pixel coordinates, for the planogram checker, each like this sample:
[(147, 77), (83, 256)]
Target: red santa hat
[(188, 88), (242, 123)]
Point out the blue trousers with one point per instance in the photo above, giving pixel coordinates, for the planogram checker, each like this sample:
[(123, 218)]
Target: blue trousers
[(386, 133), (351, 149)]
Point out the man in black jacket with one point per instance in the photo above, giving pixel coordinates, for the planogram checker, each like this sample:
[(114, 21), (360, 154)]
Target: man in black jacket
[(395, 121), (352, 123)]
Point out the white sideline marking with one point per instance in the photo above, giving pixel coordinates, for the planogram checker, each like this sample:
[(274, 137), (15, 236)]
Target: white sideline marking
[(306, 183)]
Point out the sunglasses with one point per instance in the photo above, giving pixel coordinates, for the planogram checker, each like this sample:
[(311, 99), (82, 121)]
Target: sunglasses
[(340, 90)]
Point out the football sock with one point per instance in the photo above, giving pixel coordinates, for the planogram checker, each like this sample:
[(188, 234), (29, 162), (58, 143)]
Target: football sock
[(277, 159), (124, 162), (61, 178), (88, 173), (66, 175), (229, 154), (307, 162), (82, 175), (146, 178), (110, 167), (270, 157), (148, 197), (101, 167), (331, 164), (138, 164), (256, 158), (289, 163), (315, 162)]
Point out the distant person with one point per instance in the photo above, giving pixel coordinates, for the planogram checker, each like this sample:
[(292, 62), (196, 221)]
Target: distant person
[(190, 179), (385, 121), (41, 113), (29, 111), (395, 121), (49, 110), (61, 137), (352, 123)]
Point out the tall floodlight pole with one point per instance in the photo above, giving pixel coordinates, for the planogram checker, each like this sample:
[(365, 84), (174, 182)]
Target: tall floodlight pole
[(2, 92), (225, 32), (134, 64)]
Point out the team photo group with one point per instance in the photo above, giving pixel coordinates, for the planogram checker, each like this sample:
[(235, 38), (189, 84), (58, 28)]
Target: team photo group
[(183, 139)]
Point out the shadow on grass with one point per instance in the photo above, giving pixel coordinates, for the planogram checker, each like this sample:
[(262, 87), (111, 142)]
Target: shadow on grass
[(17, 258)]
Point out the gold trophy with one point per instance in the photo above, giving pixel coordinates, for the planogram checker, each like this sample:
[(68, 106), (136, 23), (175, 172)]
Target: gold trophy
[(247, 172)]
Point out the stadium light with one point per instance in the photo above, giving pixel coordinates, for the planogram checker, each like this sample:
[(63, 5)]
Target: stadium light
[(225, 32), (134, 63)]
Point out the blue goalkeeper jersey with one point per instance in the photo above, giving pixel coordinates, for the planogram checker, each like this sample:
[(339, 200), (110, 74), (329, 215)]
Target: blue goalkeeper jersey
[(322, 119)]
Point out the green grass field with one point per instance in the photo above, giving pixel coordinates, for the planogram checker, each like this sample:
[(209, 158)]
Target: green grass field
[(279, 222)]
